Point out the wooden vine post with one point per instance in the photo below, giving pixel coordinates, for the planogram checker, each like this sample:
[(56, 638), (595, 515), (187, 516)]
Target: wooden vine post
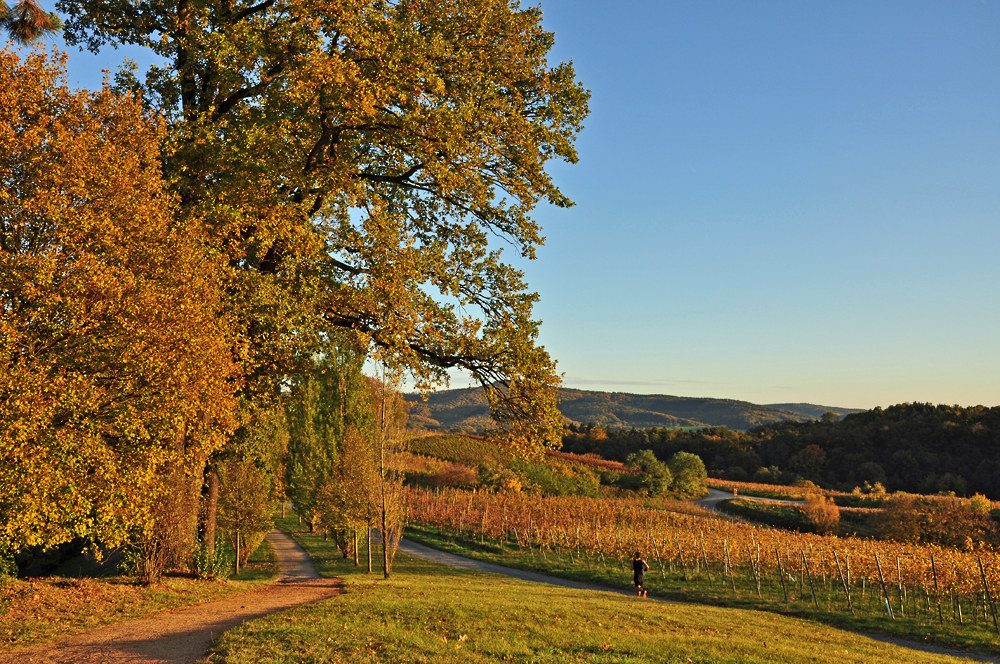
[(843, 582), (729, 565), (989, 595), (937, 592), (885, 593), (781, 574), (812, 587)]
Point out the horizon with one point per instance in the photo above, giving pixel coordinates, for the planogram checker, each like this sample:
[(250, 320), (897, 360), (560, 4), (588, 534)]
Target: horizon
[(411, 392)]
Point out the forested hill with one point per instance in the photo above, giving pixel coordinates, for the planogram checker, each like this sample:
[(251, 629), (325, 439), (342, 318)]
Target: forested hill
[(465, 410)]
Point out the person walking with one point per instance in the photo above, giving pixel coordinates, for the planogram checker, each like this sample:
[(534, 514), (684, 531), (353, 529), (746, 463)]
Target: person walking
[(639, 567)]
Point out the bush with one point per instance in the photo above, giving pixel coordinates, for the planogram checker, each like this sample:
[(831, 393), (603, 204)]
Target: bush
[(957, 522), (821, 513), (216, 564), (453, 474)]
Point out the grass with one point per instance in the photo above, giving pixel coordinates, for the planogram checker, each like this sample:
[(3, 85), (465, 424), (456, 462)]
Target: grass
[(919, 622), (430, 613), (854, 522), (36, 610)]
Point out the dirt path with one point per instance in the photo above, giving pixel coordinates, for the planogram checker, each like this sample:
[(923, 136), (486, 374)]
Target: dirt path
[(427, 553), (183, 636)]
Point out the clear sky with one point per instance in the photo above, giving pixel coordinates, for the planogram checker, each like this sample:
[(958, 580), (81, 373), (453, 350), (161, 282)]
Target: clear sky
[(776, 201)]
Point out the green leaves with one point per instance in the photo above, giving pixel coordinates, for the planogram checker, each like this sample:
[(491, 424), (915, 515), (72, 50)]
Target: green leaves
[(368, 165)]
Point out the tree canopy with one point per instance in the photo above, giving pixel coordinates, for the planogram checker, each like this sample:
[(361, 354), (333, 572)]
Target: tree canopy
[(369, 165), (112, 331)]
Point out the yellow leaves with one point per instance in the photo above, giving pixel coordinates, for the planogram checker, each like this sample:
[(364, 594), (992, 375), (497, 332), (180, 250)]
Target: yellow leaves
[(110, 324)]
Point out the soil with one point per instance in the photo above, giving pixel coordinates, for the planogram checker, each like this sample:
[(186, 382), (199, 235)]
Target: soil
[(183, 636)]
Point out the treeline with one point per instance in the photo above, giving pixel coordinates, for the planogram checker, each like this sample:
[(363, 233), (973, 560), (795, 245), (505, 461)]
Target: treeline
[(919, 448), (184, 251), (472, 463)]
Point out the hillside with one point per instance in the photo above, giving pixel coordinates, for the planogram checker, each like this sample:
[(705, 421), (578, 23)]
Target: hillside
[(465, 410)]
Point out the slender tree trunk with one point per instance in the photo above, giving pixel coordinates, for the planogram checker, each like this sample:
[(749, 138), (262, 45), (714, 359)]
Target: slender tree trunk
[(210, 511)]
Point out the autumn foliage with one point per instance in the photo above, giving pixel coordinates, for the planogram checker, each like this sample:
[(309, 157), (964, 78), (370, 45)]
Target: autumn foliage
[(115, 360)]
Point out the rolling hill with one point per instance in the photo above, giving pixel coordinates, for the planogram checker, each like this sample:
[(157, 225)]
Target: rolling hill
[(465, 410)]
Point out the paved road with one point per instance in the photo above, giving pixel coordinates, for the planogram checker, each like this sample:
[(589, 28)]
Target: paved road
[(427, 553), (716, 496)]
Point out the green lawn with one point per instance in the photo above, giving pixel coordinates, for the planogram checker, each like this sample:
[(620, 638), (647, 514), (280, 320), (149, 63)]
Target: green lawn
[(430, 613)]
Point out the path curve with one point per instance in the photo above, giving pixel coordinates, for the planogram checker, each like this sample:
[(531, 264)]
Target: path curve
[(434, 555), (716, 496), (183, 636)]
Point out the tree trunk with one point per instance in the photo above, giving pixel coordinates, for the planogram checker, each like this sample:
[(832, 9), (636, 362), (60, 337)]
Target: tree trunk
[(210, 510)]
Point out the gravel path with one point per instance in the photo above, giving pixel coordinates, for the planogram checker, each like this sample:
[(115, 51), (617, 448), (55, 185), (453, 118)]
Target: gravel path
[(183, 636)]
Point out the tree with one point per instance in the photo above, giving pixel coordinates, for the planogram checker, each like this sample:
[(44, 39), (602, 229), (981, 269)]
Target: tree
[(357, 162), (390, 417), (246, 506), (326, 409), (26, 22), (654, 475), (689, 473), (116, 377)]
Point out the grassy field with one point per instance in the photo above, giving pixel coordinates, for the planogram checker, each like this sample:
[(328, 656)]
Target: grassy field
[(918, 622), (35, 610), (430, 613)]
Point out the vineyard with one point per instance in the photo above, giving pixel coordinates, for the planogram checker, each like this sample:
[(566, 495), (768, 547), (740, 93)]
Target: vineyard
[(930, 589)]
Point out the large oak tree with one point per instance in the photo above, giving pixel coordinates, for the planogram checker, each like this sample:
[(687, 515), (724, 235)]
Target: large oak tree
[(366, 164)]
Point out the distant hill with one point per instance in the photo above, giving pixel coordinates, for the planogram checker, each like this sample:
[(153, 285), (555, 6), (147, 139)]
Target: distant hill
[(812, 410), (465, 410)]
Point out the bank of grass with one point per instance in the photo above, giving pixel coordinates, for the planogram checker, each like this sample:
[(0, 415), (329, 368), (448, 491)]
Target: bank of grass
[(854, 521), (39, 609), (919, 621), (430, 613)]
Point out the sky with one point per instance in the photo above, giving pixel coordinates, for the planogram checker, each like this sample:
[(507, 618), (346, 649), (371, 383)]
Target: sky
[(776, 201)]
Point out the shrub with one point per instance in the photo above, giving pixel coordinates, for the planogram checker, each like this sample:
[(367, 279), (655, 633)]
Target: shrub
[(821, 513), (454, 474), (948, 521), (216, 564)]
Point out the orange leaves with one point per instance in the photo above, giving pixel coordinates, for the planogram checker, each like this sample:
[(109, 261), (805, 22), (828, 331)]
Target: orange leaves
[(110, 338)]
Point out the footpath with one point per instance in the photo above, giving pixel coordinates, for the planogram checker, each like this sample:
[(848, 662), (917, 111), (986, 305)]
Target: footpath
[(433, 555), (182, 636)]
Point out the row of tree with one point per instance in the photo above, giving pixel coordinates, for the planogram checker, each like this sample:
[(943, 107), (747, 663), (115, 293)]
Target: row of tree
[(920, 448), (291, 181)]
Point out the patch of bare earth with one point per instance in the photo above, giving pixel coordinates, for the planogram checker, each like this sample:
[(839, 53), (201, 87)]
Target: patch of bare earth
[(183, 636)]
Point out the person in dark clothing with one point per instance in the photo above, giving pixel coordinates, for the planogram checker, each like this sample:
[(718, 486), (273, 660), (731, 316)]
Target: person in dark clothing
[(639, 567)]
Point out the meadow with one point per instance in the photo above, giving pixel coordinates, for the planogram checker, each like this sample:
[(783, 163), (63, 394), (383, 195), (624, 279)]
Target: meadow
[(430, 613), (921, 592)]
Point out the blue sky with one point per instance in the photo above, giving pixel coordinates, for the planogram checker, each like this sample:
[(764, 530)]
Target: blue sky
[(780, 201), (775, 201)]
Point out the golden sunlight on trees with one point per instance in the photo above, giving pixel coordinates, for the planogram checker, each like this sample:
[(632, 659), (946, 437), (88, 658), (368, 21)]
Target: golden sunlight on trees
[(361, 164), (296, 176), (114, 355), (821, 513)]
